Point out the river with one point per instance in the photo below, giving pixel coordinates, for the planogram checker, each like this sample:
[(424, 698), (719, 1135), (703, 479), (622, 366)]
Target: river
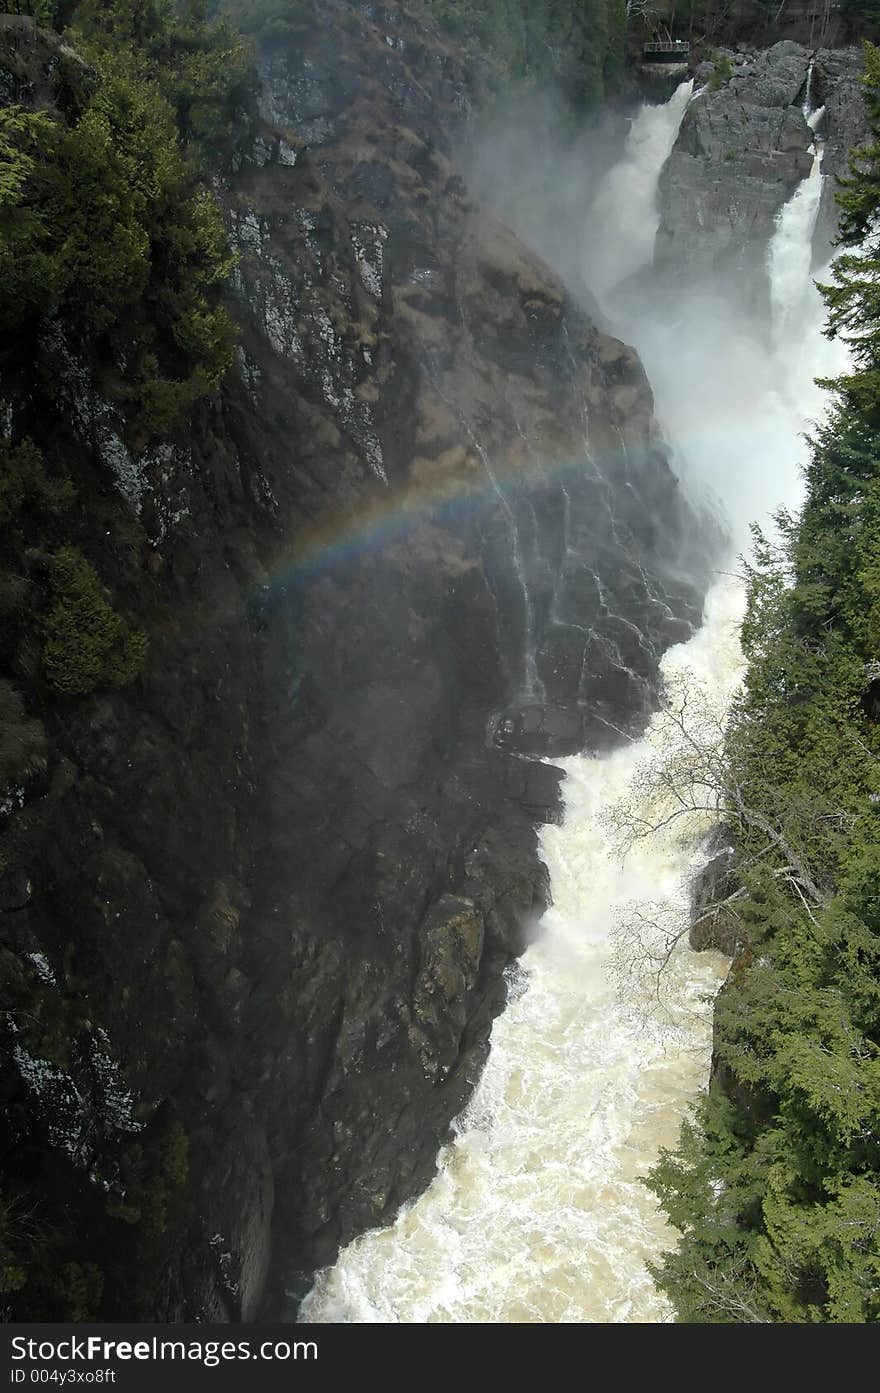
[(537, 1212)]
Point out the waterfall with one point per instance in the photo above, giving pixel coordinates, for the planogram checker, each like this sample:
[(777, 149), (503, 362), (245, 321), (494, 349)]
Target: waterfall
[(624, 217), (807, 105), (792, 292), (537, 1212), (531, 688)]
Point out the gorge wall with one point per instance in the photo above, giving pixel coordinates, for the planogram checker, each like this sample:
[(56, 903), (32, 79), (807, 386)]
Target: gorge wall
[(257, 907), (743, 148)]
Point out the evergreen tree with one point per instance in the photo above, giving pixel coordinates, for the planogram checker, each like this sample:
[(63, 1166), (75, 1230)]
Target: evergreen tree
[(775, 1185), (853, 297)]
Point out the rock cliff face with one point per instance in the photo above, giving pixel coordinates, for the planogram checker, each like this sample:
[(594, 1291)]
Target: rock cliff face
[(742, 150), (271, 889)]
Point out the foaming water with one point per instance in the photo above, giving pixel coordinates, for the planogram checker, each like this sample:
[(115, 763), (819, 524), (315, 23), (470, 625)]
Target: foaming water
[(537, 1212), (733, 395), (625, 214), (791, 289), (736, 399)]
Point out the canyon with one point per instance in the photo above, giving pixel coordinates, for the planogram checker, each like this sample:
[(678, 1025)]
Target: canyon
[(429, 537)]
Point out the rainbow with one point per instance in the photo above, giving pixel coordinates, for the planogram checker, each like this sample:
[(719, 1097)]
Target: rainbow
[(383, 519)]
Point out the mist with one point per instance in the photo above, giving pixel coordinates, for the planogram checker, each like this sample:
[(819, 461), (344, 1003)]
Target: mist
[(732, 370), (584, 1084)]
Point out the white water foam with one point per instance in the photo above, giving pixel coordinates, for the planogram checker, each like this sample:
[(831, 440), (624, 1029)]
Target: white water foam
[(792, 292), (537, 1212), (732, 397), (625, 207)]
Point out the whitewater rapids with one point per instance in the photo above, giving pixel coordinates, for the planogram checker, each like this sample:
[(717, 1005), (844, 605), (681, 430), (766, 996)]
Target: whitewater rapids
[(538, 1212)]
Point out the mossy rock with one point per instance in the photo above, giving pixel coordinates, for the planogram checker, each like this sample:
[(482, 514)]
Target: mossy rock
[(22, 740)]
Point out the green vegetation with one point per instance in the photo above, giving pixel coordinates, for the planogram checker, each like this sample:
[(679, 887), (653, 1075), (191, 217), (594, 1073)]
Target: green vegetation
[(579, 41), (105, 223), (775, 1186), (25, 486), (22, 740), (87, 644), (111, 239), (26, 268), (204, 70), (722, 71), (861, 17), (52, 595), (853, 298), (113, 260), (271, 20)]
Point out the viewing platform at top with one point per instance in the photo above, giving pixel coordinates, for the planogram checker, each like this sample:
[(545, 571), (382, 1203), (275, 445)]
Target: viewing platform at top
[(666, 51)]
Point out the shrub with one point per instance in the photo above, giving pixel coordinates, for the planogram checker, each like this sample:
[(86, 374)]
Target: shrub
[(86, 643), (80, 1285), (13, 1275), (28, 272), (105, 221), (722, 71), (24, 482)]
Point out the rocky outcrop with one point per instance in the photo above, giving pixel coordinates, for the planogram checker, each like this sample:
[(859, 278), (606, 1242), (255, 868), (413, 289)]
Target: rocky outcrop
[(540, 563), (517, 414), (743, 148), (714, 925), (272, 889)]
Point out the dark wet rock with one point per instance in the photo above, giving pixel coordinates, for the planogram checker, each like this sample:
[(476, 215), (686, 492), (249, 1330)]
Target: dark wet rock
[(285, 872), (714, 924), (15, 891), (541, 730), (837, 74), (743, 148)]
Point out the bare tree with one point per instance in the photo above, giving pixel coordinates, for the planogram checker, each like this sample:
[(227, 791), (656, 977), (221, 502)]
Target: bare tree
[(693, 779), (731, 1294), (641, 9), (689, 786)]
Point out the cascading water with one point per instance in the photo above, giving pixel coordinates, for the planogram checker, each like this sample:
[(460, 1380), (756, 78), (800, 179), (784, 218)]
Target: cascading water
[(807, 104), (792, 292), (625, 212), (532, 688), (537, 1212)]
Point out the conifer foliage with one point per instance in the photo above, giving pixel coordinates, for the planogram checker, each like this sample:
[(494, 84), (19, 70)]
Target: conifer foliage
[(775, 1185), (106, 226)]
